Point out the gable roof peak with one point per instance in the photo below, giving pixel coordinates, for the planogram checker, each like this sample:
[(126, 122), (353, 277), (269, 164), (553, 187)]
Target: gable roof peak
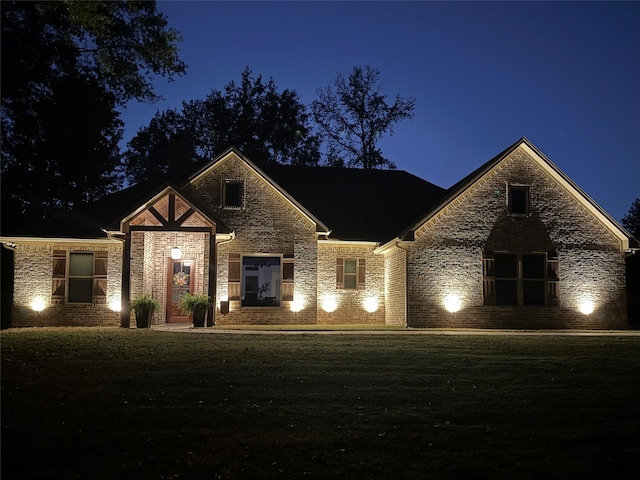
[(537, 156)]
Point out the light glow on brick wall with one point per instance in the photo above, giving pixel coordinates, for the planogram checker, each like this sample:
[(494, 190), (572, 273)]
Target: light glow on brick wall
[(453, 302), (370, 304), (115, 303), (297, 304), (329, 303), (586, 306), (38, 304)]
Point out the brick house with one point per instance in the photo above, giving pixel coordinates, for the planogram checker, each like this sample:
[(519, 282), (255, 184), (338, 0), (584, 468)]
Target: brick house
[(516, 244)]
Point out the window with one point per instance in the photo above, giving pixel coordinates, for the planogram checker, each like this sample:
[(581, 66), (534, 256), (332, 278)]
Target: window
[(80, 278), (520, 279), (533, 273), (518, 200), (85, 279), (261, 281), (506, 279), (233, 194), (350, 273)]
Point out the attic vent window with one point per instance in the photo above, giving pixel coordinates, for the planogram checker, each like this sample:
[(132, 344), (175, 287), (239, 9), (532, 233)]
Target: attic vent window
[(518, 200), (233, 194)]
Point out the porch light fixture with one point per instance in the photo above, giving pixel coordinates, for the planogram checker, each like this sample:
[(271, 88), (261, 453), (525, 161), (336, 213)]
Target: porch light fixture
[(371, 304), (176, 253), (38, 304)]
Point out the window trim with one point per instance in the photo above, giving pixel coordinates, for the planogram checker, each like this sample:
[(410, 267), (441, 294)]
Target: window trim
[(514, 187), (241, 185), (551, 279), (244, 303), (61, 277), (341, 273)]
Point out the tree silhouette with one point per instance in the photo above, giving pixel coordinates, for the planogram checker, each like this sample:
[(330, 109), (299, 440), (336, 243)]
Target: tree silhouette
[(66, 67), (268, 126), (631, 221), (354, 116)]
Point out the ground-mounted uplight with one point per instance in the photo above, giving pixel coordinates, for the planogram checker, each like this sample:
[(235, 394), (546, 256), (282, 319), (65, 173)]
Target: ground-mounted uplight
[(176, 253), (453, 303), (329, 304), (586, 306), (38, 304), (115, 304), (370, 304), (297, 304)]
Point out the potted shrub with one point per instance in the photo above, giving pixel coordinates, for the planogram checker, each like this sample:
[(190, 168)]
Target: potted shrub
[(144, 307), (195, 304)]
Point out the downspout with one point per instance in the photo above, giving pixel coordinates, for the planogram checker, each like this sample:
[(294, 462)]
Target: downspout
[(406, 283), (213, 278), (125, 303)]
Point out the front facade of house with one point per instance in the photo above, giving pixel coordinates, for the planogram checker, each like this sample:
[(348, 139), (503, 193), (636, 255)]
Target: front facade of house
[(514, 245)]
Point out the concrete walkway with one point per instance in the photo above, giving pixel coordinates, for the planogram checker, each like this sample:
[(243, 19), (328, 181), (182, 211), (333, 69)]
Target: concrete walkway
[(337, 330)]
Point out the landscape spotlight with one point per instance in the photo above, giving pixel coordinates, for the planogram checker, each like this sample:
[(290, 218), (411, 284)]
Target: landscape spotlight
[(38, 304), (586, 307), (453, 303)]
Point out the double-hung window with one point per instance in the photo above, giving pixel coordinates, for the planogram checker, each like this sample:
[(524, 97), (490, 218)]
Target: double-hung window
[(350, 273), (79, 277)]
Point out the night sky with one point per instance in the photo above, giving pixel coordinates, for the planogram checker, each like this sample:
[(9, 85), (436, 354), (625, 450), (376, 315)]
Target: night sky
[(566, 75)]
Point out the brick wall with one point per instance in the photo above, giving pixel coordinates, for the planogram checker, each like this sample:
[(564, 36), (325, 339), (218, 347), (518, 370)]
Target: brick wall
[(33, 276), (150, 255), (350, 303), (446, 256), (268, 224), (395, 284)]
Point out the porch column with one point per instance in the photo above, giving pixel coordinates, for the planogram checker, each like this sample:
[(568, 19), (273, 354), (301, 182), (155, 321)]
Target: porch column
[(125, 292), (213, 262)]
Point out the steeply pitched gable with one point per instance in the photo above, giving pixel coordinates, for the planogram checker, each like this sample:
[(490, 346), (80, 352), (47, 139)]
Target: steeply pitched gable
[(549, 167)]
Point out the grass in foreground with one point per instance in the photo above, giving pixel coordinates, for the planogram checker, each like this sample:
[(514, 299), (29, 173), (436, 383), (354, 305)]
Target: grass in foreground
[(113, 403)]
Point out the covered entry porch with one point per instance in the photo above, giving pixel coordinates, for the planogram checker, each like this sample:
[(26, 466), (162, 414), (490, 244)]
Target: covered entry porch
[(169, 248)]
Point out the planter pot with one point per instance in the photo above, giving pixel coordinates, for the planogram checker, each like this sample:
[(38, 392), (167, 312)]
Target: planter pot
[(198, 318), (143, 318)]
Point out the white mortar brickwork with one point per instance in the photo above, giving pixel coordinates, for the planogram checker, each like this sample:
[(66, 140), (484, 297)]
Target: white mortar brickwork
[(409, 280), (447, 256), (33, 278), (267, 224), (350, 303)]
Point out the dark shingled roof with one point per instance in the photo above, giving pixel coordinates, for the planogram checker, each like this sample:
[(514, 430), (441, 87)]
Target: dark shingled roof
[(355, 204)]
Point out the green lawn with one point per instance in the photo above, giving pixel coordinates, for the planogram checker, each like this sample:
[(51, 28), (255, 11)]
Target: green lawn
[(143, 404)]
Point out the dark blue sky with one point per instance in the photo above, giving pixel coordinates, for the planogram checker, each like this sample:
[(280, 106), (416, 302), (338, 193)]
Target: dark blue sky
[(566, 75)]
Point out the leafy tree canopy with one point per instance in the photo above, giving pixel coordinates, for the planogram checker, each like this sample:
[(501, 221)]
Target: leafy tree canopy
[(631, 221), (354, 115), (266, 125), (66, 67)]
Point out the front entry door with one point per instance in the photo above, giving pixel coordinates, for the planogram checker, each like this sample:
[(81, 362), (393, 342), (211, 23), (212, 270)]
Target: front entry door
[(180, 281)]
